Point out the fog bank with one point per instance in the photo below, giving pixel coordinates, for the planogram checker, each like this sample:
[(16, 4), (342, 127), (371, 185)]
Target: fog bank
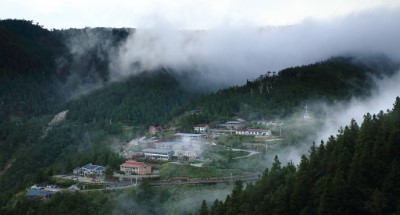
[(229, 55)]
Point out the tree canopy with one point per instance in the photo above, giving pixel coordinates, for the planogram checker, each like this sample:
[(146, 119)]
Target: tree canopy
[(355, 172)]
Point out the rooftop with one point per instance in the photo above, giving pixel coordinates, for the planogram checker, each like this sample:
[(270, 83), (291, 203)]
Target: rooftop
[(264, 120), (93, 167), (189, 135), (166, 143), (201, 125), (132, 163), (35, 192), (233, 122), (255, 130), (149, 150), (261, 130)]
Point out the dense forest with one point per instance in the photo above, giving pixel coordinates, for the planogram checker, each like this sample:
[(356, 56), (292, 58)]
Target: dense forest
[(145, 99), (355, 172), (27, 68), (275, 95)]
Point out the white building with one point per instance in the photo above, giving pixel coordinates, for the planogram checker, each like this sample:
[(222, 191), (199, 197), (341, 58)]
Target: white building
[(201, 128), (158, 154), (233, 125), (254, 132), (266, 122), (182, 149), (189, 136)]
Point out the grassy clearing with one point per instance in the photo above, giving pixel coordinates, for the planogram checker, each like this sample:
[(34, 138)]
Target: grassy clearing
[(168, 171), (220, 153)]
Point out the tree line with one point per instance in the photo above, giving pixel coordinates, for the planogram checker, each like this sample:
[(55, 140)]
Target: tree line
[(355, 172)]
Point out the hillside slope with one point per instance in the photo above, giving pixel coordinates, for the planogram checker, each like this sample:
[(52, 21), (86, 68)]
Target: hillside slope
[(356, 172), (280, 94), (40, 75)]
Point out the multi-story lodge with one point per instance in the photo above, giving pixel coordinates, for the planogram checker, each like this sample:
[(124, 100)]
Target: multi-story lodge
[(182, 149), (254, 132), (132, 167), (158, 154)]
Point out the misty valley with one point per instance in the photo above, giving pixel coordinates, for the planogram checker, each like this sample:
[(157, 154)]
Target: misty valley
[(106, 121)]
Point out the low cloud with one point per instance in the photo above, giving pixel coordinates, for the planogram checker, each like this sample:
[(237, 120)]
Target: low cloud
[(338, 116), (86, 64), (227, 55), (382, 99)]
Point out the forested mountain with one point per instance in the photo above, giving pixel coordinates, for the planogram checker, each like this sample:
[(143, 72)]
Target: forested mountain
[(44, 72), (143, 100), (41, 69), (41, 74), (28, 83), (275, 95), (355, 172), (85, 66)]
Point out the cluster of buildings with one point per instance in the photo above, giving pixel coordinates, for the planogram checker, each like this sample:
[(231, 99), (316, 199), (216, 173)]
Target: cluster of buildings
[(189, 144), (185, 145), (238, 127), (129, 167)]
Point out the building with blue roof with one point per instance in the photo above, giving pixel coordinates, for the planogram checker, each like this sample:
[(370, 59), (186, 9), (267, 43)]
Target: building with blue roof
[(90, 170), (38, 194)]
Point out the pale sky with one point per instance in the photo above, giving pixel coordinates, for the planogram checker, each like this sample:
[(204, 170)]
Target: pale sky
[(184, 14)]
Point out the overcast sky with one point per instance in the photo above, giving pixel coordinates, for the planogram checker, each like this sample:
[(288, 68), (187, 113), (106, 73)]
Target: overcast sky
[(187, 14)]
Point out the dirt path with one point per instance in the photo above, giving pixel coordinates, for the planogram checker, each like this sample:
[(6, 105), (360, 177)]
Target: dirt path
[(251, 153), (8, 165)]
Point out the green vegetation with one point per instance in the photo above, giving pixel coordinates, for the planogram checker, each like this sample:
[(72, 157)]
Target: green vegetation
[(234, 141), (170, 170), (65, 147), (224, 154), (142, 100), (94, 202), (35, 83), (40, 76), (28, 84), (296, 131), (356, 172), (280, 95)]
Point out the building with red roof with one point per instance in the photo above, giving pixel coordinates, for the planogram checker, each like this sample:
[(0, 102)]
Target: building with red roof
[(132, 167), (201, 128)]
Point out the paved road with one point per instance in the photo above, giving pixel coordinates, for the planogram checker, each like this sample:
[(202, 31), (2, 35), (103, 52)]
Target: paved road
[(251, 153), (205, 181), (183, 182)]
